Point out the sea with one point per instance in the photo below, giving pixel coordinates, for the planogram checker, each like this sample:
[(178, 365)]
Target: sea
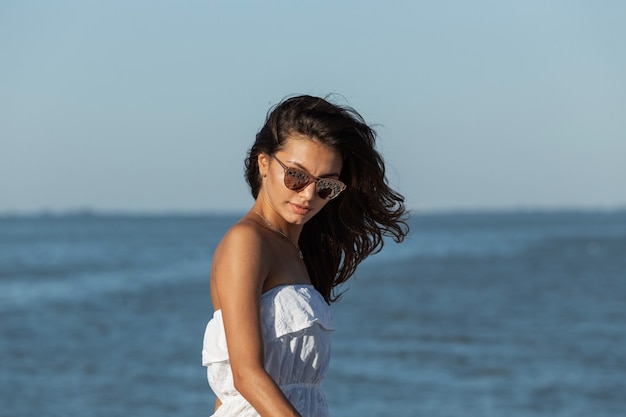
[(509, 313)]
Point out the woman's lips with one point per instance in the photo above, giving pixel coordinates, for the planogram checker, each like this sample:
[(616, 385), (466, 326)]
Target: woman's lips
[(300, 209)]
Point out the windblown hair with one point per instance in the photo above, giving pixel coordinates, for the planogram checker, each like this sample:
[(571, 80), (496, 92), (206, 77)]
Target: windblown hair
[(352, 226)]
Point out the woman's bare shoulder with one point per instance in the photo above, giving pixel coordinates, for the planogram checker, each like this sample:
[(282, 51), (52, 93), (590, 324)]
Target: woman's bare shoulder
[(245, 235), (240, 260)]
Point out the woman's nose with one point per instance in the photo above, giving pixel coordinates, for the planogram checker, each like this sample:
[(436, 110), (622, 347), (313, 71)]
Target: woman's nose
[(310, 191)]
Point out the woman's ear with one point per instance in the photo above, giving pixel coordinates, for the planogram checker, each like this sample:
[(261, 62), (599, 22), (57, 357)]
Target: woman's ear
[(264, 162)]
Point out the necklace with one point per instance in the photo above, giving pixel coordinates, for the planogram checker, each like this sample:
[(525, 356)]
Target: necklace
[(280, 232)]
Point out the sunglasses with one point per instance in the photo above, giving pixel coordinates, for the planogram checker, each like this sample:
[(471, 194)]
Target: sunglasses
[(296, 179)]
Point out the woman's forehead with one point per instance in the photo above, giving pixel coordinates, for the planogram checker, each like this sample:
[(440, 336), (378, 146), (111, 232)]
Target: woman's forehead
[(313, 156)]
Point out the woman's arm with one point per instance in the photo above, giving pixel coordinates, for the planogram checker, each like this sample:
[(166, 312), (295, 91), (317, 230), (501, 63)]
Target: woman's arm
[(240, 266), (218, 403)]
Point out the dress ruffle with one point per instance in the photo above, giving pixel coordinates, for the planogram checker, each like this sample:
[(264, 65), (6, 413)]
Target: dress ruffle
[(285, 309), (291, 308), (214, 347)]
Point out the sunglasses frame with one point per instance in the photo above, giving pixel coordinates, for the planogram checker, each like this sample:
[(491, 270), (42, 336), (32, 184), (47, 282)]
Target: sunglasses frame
[(340, 186)]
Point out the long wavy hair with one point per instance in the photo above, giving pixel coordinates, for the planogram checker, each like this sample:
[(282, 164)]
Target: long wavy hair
[(352, 226)]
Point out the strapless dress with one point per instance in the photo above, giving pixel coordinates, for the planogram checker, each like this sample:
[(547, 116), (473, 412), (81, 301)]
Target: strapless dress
[(296, 324)]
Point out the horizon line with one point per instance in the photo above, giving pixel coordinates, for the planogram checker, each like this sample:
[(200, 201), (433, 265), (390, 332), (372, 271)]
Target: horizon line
[(422, 210)]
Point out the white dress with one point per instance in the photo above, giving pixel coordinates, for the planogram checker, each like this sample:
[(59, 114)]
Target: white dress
[(296, 323)]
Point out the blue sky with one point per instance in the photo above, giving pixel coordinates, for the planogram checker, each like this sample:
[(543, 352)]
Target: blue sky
[(151, 105)]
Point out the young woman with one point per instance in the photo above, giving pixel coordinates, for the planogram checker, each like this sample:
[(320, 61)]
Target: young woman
[(322, 205)]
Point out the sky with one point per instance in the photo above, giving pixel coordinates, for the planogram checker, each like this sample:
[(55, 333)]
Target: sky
[(150, 106)]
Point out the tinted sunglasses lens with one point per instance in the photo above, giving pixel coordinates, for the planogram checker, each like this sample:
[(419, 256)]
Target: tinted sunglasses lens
[(296, 179), (329, 189), (324, 192)]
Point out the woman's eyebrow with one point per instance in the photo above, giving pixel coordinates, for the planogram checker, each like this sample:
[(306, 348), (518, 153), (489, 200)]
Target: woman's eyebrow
[(299, 165)]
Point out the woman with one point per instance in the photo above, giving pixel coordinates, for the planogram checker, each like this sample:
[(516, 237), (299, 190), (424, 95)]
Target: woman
[(322, 205)]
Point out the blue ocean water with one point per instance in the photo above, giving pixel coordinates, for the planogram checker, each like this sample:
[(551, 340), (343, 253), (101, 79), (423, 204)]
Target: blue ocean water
[(476, 314)]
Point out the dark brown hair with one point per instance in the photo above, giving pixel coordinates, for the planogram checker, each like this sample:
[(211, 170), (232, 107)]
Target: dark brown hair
[(352, 226)]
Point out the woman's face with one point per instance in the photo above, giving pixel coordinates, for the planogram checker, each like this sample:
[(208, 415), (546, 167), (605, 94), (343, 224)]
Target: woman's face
[(318, 160)]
